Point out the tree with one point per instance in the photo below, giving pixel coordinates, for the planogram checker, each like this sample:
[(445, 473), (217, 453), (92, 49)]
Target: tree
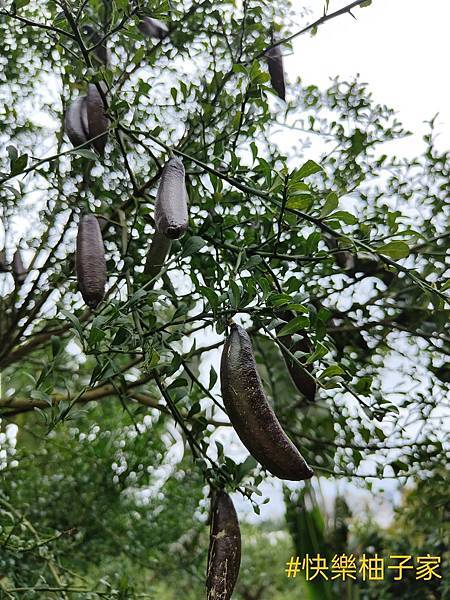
[(336, 242)]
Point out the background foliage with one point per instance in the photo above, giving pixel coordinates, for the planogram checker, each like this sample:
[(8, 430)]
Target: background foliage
[(112, 420)]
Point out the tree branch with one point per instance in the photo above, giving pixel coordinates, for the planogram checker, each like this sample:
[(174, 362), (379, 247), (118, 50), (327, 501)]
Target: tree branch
[(314, 25)]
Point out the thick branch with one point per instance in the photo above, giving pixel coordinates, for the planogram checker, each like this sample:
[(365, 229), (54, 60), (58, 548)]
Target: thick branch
[(21, 405)]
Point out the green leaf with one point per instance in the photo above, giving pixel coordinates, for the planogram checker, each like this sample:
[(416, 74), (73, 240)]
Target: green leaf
[(253, 261), (40, 395), (137, 58), (211, 296), (358, 140), (332, 371), (120, 337), (193, 245), (394, 250), (312, 242), (194, 410), (297, 308), (399, 465), (86, 153), (309, 168), (74, 320), (212, 378), (302, 202), (363, 385), (154, 360), (179, 382), (331, 203), (19, 164), (95, 336), (320, 351), (246, 467), (298, 186), (234, 294), (56, 345), (296, 324), (344, 216)]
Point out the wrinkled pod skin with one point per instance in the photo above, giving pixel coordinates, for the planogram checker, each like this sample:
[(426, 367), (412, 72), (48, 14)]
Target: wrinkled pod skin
[(153, 28), (305, 384), (224, 555), (76, 122), (90, 261), (276, 70), (157, 254), (18, 269), (97, 120), (251, 414), (171, 212)]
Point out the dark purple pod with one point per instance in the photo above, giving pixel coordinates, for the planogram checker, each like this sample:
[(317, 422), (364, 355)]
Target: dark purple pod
[(18, 268), (75, 122), (3, 263), (153, 28), (305, 384), (98, 122), (251, 414), (276, 70), (301, 376), (224, 555), (157, 254), (90, 261), (171, 212)]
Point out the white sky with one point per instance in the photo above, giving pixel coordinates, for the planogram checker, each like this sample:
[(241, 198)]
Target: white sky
[(400, 47)]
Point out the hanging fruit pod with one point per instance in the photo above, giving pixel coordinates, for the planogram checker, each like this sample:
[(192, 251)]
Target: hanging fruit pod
[(251, 414), (90, 261)]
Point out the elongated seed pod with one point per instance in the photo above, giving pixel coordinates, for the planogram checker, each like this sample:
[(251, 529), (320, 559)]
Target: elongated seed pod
[(171, 213), (18, 268), (301, 378), (153, 28), (303, 382), (157, 253), (76, 130), (276, 70), (224, 556), (84, 117), (251, 414), (3, 262), (90, 261), (97, 120)]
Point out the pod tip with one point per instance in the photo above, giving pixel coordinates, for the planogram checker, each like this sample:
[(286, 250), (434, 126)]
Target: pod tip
[(174, 232)]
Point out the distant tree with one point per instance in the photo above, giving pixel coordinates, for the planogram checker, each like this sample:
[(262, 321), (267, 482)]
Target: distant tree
[(419, 530)]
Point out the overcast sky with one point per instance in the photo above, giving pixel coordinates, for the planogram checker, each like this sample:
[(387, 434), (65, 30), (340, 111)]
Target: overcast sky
[(400, 47)]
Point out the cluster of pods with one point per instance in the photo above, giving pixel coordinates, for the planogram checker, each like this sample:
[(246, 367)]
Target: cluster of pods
[(243, 395)]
